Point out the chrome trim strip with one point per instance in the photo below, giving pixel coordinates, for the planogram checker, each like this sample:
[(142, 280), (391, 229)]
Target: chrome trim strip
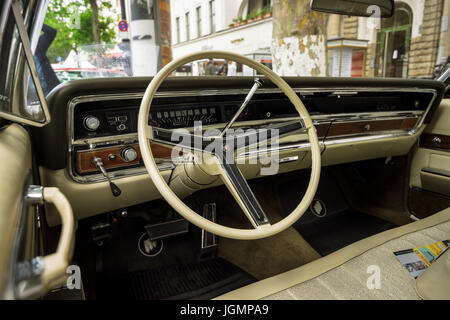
[(288, 159), (41, 10), (304, 145), (242, 189), (122, 173), (443, 77), (125, 138), (303, 91), (369, 116)]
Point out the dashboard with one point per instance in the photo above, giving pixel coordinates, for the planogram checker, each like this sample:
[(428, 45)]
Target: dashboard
[(99, 125), (355, 119), (105, 123)]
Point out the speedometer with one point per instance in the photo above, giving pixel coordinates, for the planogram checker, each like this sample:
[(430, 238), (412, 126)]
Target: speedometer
[(176, 118)]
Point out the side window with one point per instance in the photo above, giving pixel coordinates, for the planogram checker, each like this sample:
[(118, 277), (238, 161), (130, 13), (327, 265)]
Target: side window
[(21, 95)]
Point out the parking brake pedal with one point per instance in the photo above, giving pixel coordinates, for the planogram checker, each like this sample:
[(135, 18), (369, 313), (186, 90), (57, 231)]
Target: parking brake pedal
[(209, 240)]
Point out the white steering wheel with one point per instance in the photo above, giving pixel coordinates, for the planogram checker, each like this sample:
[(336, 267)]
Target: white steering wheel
[(229, 172)]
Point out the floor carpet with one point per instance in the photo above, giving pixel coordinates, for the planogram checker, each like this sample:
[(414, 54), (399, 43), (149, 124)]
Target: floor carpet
[(195, 280)]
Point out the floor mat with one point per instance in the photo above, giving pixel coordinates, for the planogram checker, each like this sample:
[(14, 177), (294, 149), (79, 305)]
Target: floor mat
[(199, 280), (332, 233), (261, 258), (340, 226), (178, 272)]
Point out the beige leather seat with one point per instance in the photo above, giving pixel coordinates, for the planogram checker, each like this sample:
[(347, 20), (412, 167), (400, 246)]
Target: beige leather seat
[(344, 273)]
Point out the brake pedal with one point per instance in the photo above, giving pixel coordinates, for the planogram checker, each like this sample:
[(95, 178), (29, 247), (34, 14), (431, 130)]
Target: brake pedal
[(167, 229)]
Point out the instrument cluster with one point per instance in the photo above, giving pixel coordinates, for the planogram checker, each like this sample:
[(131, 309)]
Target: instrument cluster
[(98, 123), (176, 118)]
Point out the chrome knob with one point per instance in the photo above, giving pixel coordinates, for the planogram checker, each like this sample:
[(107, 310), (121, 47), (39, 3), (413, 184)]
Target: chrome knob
[(91, 123), (129, 154), (436, 141)]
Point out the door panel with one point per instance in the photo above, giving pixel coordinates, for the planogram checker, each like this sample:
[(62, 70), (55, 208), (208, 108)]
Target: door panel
[(15, 166), (24, 272), (430, 167)]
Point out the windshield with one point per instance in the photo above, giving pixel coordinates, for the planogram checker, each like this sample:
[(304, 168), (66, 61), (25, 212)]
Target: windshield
[(122, 38)]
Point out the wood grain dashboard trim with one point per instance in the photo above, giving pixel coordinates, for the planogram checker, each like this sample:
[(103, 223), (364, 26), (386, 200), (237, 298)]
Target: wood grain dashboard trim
[(370, 126), (322, 129), (435, 141), (111, 157)]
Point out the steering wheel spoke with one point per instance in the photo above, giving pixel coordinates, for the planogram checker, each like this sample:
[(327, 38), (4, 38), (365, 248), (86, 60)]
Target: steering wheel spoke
[(244, 196), (266, 135)]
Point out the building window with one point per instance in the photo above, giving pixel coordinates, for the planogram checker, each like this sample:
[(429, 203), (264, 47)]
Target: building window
[(255, 6), (199, 22), (393, 45), (212, 15), (142, 10), (177, 22), (188, 33)]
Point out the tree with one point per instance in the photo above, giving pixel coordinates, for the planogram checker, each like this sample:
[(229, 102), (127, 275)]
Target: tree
[(95, 24), (74, 20), (299, 39)]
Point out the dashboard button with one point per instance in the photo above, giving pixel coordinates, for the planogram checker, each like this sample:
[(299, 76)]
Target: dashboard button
[(128, 154), (121, 127)]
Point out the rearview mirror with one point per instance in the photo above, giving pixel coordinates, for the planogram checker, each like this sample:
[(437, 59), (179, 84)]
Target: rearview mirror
[(362, 8)]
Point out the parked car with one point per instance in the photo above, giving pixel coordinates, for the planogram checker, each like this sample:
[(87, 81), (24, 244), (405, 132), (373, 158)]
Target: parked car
[(67, 74)]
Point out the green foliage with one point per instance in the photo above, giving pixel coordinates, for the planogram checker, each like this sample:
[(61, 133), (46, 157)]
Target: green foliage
[(263, 12), (73, 21)]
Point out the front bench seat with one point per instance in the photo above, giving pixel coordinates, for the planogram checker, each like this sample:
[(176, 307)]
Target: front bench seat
[(344, 273)]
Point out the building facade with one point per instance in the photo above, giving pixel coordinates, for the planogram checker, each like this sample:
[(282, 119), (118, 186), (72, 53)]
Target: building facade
[(243, 27), (408, 45)]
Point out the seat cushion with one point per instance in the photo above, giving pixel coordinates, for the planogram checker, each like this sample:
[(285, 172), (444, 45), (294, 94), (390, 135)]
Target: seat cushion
[(349, 281), (343, 274), (434, 283)]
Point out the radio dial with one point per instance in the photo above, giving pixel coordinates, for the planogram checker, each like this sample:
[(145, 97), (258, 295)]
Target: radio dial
[(129, 154)]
